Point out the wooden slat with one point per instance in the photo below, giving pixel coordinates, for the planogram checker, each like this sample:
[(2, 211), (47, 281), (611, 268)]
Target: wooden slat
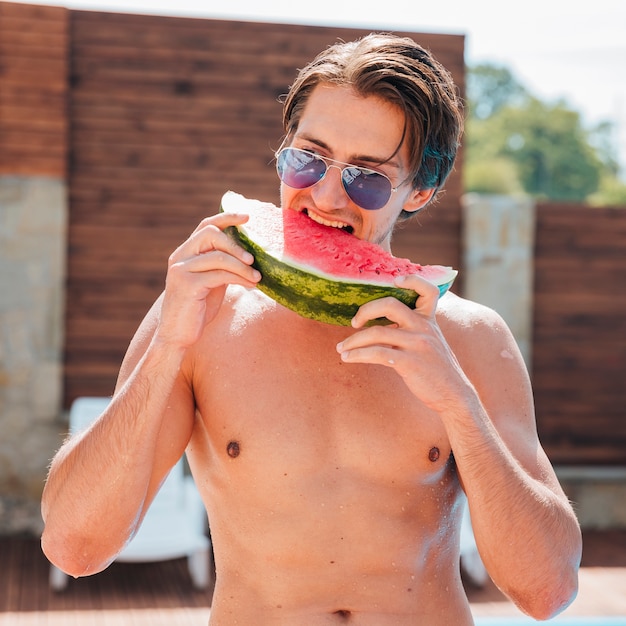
[(33, 89), (579, 350), (124, 590)]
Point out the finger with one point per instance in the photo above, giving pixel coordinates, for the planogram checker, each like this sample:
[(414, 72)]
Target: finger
[(390, 308), (208, 281), (384, 345), (208, 237), (220, 265), (212, 238), (222, 220), (374, 354), (396, 311), (210, 227), (389, 336), (427, 292)]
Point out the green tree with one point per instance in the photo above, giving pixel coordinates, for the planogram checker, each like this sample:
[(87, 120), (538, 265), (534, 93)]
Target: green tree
[(612, 192), (551, 149), (515, 141), (494, 176), (603, 138), (492, 87)]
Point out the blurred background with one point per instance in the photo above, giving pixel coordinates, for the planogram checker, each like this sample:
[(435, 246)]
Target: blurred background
[(560, 67), (123, 123)]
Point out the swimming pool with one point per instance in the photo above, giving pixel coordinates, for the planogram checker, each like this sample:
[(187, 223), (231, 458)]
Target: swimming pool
[(560, 621)]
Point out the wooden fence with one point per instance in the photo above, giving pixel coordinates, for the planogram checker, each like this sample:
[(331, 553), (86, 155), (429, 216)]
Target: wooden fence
[(33, 90), (166, 115), (579, 347), (150, 119)]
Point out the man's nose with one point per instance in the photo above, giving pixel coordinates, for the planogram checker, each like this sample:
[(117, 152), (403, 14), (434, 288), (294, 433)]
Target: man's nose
[(329, 192)]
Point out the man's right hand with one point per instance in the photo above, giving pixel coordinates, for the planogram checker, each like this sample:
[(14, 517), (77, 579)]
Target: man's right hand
[(129, 450), (199, 271)]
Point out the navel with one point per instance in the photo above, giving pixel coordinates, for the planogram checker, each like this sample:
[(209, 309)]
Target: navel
[(233, 449), (343, 614), (433, 454)]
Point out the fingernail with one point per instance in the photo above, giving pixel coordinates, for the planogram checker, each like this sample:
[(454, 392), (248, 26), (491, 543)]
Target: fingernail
[(340, 346)]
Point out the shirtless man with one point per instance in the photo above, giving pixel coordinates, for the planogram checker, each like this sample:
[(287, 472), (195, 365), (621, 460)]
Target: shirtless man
[(333, 462)]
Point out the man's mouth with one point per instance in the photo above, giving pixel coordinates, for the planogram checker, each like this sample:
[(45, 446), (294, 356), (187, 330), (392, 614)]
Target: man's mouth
[(332, 223)]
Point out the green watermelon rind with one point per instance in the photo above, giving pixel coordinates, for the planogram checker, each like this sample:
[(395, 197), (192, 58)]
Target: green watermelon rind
[(330, 301), (315, 297)]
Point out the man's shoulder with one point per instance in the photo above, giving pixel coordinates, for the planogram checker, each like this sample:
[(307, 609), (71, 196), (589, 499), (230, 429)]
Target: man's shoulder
[(457, 311), (468, 324), (483, 343)]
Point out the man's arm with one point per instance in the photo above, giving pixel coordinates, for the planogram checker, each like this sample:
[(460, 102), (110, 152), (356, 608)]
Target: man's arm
[(473, 376), (525, 528), (102, 481)]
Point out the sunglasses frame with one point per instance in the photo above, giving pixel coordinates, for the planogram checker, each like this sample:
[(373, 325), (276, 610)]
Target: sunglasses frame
[(343, 168)]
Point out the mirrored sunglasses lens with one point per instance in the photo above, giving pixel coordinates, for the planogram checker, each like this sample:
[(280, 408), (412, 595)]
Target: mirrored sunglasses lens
[(299, 169), (369, 190)]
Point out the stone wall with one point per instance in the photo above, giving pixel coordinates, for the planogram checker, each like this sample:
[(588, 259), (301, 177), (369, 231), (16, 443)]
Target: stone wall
[(498, 260), (33, 220)]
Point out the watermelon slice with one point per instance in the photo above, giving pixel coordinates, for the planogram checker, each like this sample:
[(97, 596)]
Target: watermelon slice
[(320, 272)]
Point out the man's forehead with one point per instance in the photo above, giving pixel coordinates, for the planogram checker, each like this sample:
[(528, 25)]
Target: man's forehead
[(351, 127)]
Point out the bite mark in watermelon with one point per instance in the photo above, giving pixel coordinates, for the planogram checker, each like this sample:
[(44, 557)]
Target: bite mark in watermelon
[(320, 272)]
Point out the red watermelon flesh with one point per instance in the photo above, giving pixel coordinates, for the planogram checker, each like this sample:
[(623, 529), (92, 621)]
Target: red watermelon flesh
[(331, 252)]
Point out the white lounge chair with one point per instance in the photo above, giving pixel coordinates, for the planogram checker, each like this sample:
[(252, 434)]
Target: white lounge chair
[(175, 524)]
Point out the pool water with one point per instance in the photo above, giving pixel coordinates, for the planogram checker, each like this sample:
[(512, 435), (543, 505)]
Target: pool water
[(560, 621)]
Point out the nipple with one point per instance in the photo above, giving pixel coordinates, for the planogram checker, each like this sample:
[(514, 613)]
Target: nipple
[(433, 455), (233, 449)]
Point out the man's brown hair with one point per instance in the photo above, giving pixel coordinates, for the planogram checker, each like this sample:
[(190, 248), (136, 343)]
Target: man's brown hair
[(404, 73)]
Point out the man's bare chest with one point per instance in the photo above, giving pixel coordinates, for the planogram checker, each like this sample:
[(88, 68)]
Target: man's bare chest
[(276, 392)]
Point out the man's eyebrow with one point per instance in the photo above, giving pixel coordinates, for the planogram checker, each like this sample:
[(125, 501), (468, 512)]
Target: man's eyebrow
[(356, 158)]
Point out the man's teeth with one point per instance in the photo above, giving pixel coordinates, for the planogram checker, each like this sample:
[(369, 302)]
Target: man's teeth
[(320, 220)]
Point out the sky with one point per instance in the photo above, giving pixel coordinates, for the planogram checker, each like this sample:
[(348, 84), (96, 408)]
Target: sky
[(556, 48)]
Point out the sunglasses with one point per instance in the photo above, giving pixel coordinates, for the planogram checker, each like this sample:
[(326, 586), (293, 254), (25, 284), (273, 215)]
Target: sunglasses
[(367, 188)]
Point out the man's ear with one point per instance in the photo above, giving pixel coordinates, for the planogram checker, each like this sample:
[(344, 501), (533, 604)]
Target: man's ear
[(418, 199)]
